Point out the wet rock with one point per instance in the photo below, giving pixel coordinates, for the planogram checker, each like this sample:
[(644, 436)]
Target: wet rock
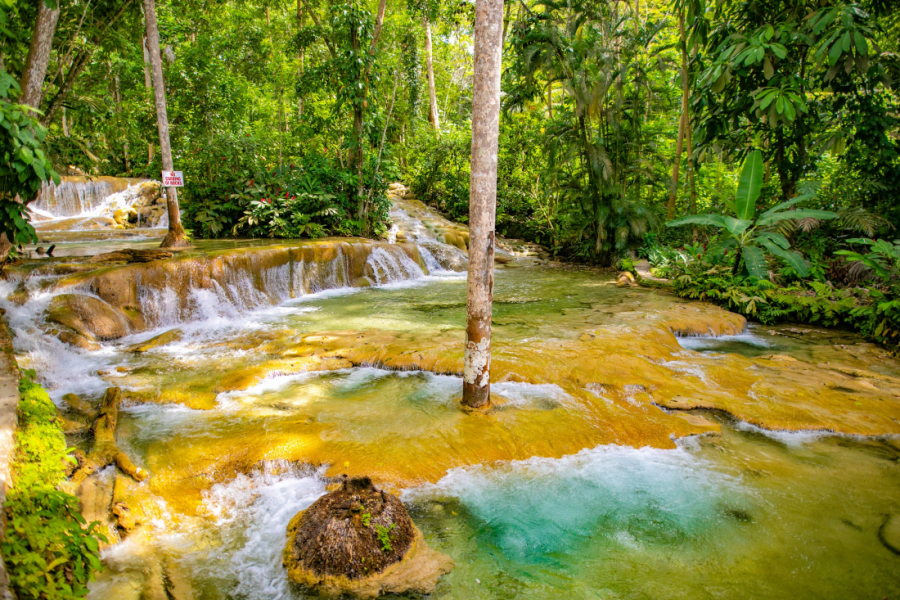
[(80, 406), (95, 495), (889, 533), (502, 257), (173, 335), (625, 279), (360, 541), (79, 341), (130, 255), (89, 317)]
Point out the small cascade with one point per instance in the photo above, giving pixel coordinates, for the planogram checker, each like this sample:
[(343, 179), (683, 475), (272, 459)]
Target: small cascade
[(81, 204), (391, 265), (72, 197), (228, 286)]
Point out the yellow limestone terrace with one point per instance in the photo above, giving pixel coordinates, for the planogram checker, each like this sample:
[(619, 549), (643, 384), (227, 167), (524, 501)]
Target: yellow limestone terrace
[(615, 382), (135, 297)]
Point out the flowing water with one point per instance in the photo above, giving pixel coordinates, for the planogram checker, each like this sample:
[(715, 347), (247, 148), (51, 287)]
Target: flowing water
[(590, 478)]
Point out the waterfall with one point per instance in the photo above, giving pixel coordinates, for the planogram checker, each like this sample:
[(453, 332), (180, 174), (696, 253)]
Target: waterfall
[(71, 197)]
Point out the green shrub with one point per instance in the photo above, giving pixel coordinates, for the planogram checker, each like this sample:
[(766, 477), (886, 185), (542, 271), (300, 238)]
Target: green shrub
[(50, 552)]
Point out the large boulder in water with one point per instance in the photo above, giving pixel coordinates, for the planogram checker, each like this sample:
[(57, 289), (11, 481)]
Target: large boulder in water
[(89, 317), (360, 541)]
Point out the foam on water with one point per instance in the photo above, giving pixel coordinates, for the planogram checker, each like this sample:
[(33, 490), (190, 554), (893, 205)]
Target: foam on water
[(707, 342), (539, 507), (252, 513)]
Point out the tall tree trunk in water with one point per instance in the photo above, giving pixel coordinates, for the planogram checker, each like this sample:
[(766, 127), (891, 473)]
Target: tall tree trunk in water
[(684, 123), (483, 201), (433, 117), (176, 237), (32, 82)]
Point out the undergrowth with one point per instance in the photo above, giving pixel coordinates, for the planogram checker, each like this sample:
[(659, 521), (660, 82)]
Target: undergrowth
[(50, 552), (870, 312)]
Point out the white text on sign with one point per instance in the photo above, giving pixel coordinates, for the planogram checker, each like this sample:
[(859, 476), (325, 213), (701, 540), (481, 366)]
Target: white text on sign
[(173, 179)]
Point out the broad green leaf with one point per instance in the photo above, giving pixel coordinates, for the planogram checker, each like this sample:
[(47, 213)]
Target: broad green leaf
[(775, 238), (861, 46), (737, 226), (789, 111), (712, 220), (789, 203), (793, 259), (835, 53), (803, 213), (755, 262), (749, 186)]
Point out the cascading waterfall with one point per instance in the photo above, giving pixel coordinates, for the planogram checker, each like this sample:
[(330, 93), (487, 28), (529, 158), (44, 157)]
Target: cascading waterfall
[(79, 204), (392, 265), (71, 197)]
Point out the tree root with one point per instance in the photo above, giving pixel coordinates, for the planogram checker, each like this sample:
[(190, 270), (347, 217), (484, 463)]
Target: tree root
[(105, 451)]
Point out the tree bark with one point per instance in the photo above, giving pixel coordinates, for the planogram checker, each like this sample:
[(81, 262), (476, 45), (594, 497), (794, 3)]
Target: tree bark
[(483, 201), (148, 82), (379, 23), (32, 82), (176, 237), (433, 117), (684, 122)]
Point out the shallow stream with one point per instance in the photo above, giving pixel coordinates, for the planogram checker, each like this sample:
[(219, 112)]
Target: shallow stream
[(584, 481)]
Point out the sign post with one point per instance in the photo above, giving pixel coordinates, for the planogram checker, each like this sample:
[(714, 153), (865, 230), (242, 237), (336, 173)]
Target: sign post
[(172, 179)]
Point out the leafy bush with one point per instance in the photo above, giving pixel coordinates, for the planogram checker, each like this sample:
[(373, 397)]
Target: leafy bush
[(50, 551), (23, 166), (311, 198)]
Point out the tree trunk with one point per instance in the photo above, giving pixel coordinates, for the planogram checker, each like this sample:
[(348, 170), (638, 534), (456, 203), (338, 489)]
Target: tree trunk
[(433, 117), (483, 201), (684, 123), (176, 237), (379, 23), (38, 55), (148, 83), (690, 169), (302, 56)]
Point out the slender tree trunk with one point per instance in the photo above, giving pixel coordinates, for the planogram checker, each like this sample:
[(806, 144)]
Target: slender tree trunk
[(550, 98), (32, 82), (379, 23), (148, 82), (302, 56), (433, 117), (176, 237), (690, 169), (483, 201), (684, 123)]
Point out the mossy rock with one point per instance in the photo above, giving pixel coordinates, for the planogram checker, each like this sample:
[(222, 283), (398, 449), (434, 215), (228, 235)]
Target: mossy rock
[(360, 541)]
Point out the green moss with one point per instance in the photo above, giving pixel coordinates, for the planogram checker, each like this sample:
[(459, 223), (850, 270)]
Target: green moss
[(50, 552)]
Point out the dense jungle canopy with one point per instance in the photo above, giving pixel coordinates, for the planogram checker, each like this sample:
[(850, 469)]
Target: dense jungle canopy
[(289, 120)]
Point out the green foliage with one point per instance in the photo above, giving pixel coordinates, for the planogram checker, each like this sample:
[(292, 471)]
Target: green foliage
[(384, 536), (50, 551), (883, 312), (779, 74), (23, 165), (748, 234)]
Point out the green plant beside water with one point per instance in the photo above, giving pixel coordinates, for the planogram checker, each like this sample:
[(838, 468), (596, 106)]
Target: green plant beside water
[(384, 536), (50, 552)]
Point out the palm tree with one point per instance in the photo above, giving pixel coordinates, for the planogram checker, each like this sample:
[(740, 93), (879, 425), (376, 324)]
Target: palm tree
[(588, 49)]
